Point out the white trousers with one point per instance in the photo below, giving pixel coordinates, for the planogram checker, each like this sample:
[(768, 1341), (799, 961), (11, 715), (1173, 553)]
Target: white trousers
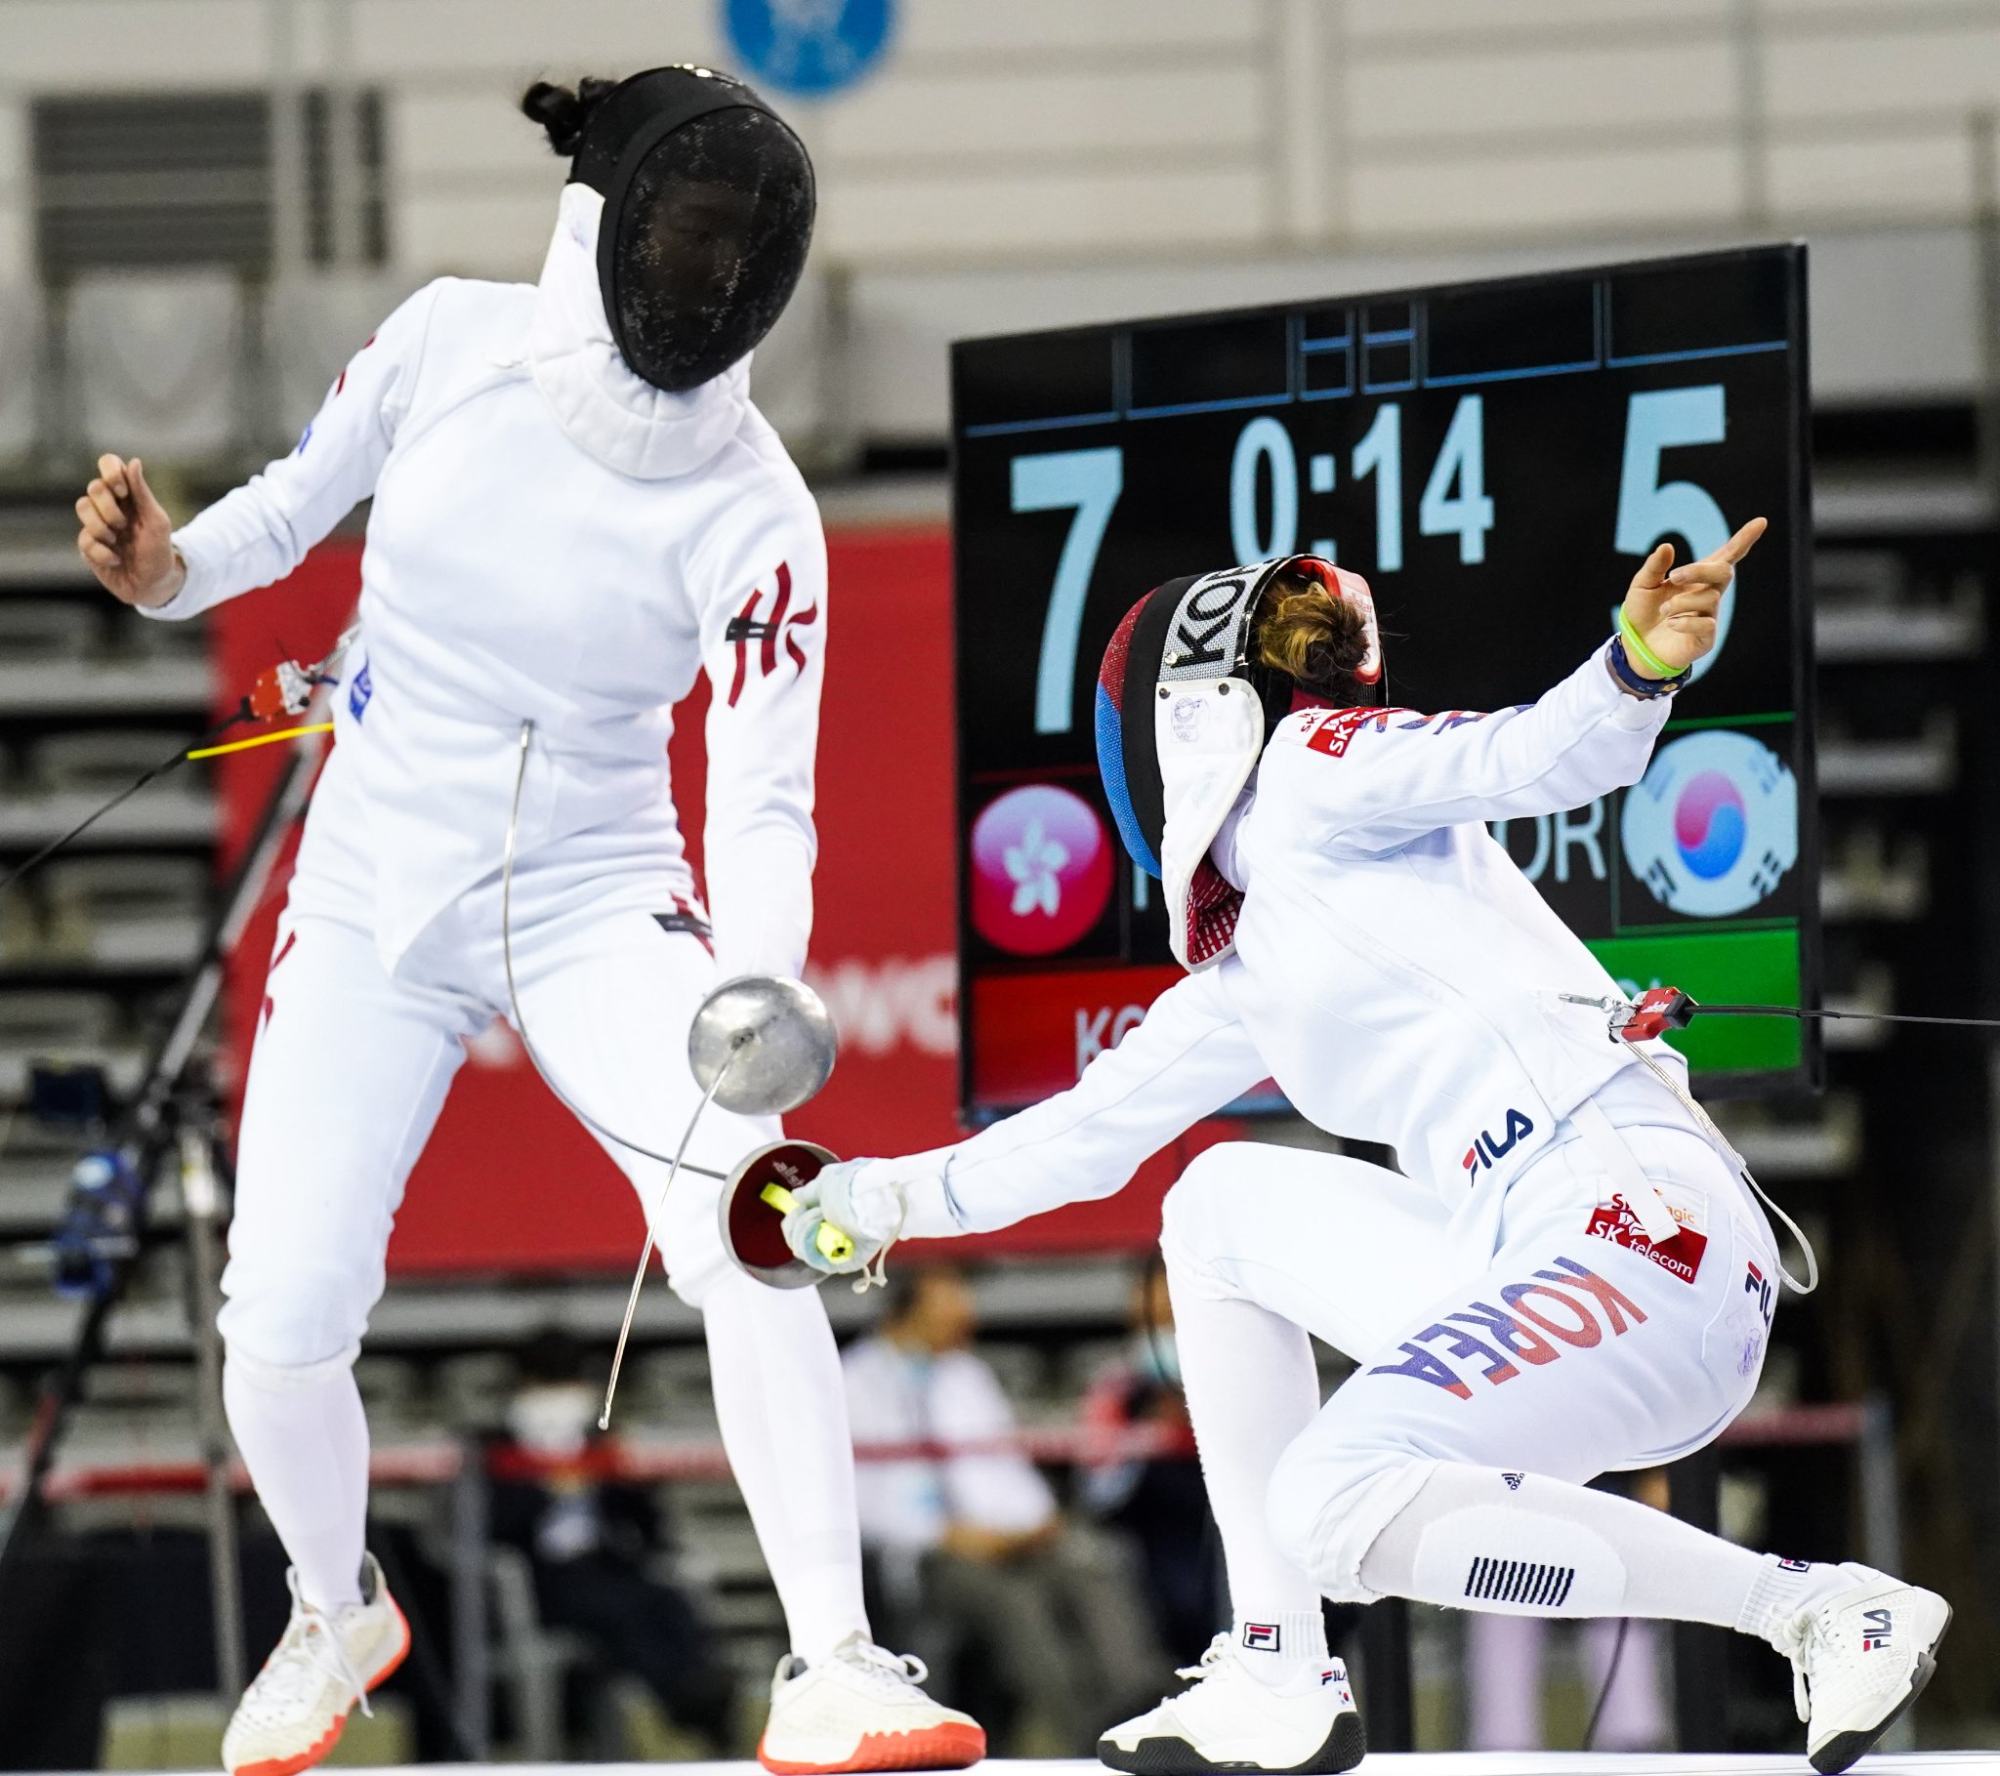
[(349, 1072), (1557, 1353)]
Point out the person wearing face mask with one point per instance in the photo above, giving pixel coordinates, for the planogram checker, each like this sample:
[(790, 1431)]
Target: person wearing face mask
[(576, 510)]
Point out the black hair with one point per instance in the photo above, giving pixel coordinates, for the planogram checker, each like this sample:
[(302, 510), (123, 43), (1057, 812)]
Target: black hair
[(906, 1288), (563, 111)]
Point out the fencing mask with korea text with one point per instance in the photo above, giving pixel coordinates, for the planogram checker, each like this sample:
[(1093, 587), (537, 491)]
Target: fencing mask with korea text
[(708, 212), (1183, 713)]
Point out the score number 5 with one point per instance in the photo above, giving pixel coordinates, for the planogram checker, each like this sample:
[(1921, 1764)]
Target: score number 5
[(1649, 509)]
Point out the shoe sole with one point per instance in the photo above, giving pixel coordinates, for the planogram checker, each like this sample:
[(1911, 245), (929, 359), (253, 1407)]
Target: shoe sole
[(1343, 1748), (950, 1746), (305, 1760), (1844, 1749)]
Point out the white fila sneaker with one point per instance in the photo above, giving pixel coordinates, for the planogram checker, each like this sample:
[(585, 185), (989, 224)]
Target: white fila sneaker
[(327, 1662), (861, 1708), (1227, 1720), (1859, 1658)]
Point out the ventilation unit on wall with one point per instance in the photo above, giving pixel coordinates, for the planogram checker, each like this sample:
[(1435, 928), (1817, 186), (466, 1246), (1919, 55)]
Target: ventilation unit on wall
[(127, 181)]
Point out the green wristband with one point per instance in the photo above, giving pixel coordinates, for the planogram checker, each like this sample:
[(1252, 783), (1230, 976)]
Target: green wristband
[(1630, 636)]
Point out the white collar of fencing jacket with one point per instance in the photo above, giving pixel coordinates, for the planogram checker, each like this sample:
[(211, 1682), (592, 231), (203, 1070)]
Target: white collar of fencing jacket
[(602, 407)]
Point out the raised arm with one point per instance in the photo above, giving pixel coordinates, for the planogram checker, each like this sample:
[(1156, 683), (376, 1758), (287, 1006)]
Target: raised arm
[(262, 530), (1186, 1058), (1375, 776), (762, 594)]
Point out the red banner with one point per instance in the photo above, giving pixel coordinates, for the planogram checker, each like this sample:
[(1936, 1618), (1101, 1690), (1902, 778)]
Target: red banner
[(509, 1182)]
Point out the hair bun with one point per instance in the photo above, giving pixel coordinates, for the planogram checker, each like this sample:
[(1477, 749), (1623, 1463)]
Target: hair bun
[(1340, 650), (563, 111), (1314, 636)]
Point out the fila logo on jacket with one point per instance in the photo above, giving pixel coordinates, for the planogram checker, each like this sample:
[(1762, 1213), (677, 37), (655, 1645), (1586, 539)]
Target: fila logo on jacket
[(1488, 1148)]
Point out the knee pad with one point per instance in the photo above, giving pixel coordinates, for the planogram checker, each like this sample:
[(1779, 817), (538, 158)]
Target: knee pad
[(239, 1365), (1325, 1507), (690, 1240), (312, 1321)]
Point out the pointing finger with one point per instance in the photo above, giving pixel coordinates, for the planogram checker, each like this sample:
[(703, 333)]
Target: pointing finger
[(112, 469), (1742, 542), (1711, 572)]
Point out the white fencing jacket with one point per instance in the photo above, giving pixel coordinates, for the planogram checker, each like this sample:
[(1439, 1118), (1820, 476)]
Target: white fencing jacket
[(552, 539), (1394, 972)]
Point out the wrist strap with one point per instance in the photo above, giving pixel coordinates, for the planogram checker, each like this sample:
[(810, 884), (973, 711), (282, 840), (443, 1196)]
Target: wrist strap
[(1637, 649), (1637, 683)]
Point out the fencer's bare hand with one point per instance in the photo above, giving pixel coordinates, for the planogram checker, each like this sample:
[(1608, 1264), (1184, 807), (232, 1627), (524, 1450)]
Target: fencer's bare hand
[(1674, 608), (125, 535)]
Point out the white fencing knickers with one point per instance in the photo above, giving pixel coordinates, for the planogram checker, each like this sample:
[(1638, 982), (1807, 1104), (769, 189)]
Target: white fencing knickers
[(1561, 1353), (349, 1073)]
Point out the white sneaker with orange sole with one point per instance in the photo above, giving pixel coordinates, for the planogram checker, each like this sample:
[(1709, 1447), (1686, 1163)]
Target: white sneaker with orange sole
[(862, 1708), (292, 1714)]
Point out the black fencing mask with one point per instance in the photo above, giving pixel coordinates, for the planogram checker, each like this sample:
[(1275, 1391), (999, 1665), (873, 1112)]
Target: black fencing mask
[(708, 211)]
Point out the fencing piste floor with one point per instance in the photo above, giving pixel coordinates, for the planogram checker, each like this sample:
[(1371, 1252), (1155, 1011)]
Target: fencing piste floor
[(1418, 1763)]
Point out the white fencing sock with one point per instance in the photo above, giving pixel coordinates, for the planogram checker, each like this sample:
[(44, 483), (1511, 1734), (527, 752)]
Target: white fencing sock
[(1523, 1544), (304, 1438), (782, 1406), (1251, 1388), (1783, 1588)]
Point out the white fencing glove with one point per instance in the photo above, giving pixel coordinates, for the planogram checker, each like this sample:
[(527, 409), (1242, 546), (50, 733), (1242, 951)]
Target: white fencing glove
[(868, 1209)]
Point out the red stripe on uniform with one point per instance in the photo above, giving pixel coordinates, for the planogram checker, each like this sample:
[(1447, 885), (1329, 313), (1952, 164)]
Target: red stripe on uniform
[(742, 650), (777, 619)]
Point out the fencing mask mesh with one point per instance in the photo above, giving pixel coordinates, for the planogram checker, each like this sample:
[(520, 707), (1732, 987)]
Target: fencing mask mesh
[(708, 213)]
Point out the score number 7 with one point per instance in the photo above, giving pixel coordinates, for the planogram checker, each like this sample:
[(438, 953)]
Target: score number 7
[(1660, 420), (1089, 483)]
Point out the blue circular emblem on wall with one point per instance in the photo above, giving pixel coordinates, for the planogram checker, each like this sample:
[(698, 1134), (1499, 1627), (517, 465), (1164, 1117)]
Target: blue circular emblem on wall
[(808, 46)]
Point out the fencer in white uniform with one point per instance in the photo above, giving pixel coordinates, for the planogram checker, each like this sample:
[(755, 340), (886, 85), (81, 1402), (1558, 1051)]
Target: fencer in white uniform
[(576, 509), (1573, 1276)]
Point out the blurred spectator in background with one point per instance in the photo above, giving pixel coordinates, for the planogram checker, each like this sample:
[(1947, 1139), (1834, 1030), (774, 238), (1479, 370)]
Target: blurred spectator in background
[(972, 1559), (1154, 1495), (597, 1548), (1506, 1668)]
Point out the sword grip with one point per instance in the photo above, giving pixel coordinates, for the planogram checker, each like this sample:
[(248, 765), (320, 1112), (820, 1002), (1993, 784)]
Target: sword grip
[(832, 1244)]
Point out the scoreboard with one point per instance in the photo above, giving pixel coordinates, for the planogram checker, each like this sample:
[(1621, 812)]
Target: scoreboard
[(1495, 458)]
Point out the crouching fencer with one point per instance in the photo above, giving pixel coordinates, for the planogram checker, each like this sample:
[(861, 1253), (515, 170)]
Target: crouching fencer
[(576, 509), (1575, 1275)]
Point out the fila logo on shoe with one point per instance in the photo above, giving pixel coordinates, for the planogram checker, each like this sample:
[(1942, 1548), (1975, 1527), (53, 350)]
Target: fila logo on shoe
[(1261, 1637), (1488, 1149), (1513, 1482), (1337, 1678), (1878, 1624)]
